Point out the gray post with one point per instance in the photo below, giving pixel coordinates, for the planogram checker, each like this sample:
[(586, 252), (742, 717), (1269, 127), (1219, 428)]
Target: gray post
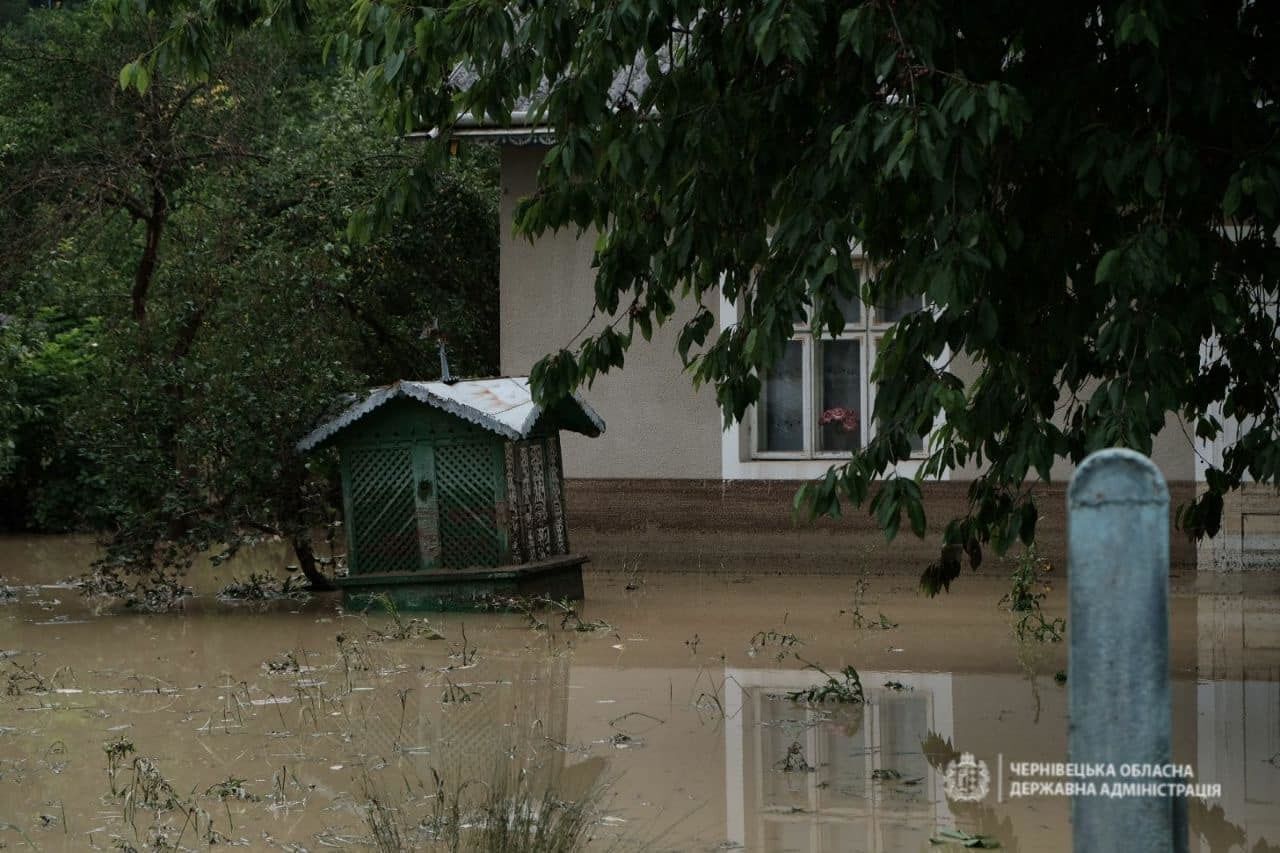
[(1118, 692)]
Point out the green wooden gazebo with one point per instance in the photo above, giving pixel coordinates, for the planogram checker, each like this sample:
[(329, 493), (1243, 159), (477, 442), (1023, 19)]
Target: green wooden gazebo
[(453, 492)]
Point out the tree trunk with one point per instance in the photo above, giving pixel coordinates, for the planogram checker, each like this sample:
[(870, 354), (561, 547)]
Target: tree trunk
[(150, 252), (307, 561)]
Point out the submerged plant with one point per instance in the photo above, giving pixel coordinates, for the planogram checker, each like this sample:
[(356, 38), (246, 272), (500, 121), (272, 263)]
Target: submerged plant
[(117, 751), (21, 679), (230, 788), (261, 586), (506, 816), (403, 629), (157, 591), (860, 619), (454, 693), (960, 838), (1025, 597), (847, 689), (794, 761), (784, 642), (530, 606), (285, 662)]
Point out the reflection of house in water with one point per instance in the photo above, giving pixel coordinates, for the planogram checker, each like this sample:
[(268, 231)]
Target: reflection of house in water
[(1238, 722), (776, 802)]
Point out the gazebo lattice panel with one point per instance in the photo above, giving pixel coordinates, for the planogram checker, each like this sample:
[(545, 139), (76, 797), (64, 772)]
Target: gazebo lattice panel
[(384, 530), (466, 475)]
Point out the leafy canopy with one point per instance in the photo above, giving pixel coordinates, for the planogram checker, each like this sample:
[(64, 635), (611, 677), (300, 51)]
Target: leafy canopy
[(1086, 194), (171, 429)]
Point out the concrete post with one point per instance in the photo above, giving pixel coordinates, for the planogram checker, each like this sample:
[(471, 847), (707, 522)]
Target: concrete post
[(1118, 692)]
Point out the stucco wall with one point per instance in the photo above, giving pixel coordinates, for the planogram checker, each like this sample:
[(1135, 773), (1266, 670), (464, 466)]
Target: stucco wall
[(657, 425), (1171, 450)]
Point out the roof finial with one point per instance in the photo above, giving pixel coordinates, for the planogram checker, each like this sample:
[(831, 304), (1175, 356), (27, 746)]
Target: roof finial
[(445, 376)]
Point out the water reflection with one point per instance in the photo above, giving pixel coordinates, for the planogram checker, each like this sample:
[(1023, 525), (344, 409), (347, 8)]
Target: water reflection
[(1238, 721), (804, 778), (694, 736)]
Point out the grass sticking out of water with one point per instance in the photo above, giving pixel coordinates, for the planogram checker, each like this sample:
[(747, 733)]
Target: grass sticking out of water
[(478, 818), (403, 628)]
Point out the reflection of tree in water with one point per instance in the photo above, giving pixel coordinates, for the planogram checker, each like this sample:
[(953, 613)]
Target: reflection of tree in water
[(975, 818), (1210, 823)]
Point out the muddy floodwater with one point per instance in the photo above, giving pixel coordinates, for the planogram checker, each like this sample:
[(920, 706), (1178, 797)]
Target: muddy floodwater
[(663, 701)]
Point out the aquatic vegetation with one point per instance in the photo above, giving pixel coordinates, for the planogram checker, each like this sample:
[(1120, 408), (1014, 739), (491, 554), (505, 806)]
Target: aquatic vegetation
[(454, 693), (21, 679), (464, 654), (118, 751), (1025, 597), (230, 788), (784, 642), (530, 606), (260, 586), (285, 662), (959, 838), (157, 592), (631, 571), (860, 619), (498, 817), (402, 628), (794, 761), (847, 689)]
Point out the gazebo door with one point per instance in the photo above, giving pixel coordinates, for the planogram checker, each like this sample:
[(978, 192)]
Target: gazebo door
[(391, 503), (427, 505)]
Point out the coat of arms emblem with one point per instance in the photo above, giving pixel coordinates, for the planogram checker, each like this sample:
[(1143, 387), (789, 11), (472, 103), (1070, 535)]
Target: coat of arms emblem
[(967, 780)]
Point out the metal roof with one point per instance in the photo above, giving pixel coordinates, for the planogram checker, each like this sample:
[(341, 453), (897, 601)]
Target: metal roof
[(628, 85), (503, 405)]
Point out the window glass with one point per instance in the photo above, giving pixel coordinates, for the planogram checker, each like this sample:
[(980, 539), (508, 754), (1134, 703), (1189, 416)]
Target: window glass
[(813, 400), (840, 401), (897, 309), (781, 413)]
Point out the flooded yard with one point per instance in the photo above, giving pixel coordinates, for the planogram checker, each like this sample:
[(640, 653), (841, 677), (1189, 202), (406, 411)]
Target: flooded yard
[(663, 703)]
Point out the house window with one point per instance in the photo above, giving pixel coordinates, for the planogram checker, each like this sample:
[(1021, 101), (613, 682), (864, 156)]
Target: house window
[(816, 401)]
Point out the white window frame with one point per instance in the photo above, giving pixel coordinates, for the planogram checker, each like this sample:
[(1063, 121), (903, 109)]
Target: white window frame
[(869, 331)]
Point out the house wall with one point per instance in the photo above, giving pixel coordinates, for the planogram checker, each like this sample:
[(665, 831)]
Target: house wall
[(664, 433), (1171, 449), (657, 424)]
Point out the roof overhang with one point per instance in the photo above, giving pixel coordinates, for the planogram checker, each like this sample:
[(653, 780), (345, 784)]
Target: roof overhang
[(502, 405)]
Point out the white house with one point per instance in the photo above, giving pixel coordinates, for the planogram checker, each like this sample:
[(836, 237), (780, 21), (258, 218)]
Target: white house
[(666, 465)]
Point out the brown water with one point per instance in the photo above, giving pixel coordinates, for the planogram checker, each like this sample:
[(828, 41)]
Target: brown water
[(673, 708)]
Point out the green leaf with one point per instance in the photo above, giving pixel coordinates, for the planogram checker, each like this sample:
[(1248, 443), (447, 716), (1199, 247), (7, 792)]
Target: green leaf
[(392, 65), (1107, 266), (915, 512)]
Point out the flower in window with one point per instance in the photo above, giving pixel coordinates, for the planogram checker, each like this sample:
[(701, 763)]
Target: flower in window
[(847, 418)]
